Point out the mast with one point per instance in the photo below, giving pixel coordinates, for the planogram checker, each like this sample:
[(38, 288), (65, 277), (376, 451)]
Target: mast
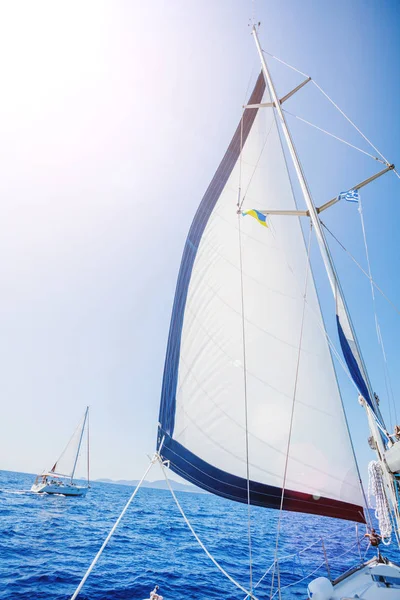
[(323, 245), (375, 420), (88, 464), (80, 442)]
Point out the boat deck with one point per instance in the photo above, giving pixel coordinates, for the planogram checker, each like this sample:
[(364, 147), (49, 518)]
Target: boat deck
[(376, 580)]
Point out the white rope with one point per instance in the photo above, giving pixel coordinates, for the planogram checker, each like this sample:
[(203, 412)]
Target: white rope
[(291, 556), (239, 204), (361, 269), (292, 409), (377, 326), (284, 63), (357, 543), (210, 556), (117, 522), (337, 108), (382, 511), (245, 412), (350, 121), (333, 136)]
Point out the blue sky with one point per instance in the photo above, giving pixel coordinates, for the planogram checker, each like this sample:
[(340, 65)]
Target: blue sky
[(114, 119)]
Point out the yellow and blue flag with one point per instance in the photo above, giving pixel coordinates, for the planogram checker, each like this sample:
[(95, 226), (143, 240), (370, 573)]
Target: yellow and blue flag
[(262, 219)]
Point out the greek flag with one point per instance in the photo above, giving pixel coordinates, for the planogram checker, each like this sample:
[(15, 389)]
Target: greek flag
[(350, 196)]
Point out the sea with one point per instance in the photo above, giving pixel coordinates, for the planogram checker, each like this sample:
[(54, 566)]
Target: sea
[(48, 542)]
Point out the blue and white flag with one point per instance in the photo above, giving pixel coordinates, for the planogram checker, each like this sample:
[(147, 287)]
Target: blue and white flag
[(350, 196)]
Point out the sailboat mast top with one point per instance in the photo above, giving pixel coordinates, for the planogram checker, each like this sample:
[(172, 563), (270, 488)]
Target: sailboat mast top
[(323, 245)]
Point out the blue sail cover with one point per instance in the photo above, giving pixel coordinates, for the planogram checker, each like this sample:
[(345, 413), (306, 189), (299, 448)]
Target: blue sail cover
[(203, 417)]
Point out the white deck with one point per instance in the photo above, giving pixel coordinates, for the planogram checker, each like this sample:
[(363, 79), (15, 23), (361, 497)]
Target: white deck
[(372, 581)]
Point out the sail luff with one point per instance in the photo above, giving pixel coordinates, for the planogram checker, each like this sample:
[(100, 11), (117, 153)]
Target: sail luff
[(80, 442), (170, 377), (348, 339)]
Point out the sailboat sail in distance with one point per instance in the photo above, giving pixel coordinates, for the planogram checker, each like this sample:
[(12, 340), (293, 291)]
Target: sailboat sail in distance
[(250, 406), (60, 479)]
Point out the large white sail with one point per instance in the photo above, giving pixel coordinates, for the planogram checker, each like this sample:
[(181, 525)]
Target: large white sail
[(202, 415)]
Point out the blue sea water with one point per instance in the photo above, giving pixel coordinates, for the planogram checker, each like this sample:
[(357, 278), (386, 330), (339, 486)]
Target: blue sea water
[(48, 542)]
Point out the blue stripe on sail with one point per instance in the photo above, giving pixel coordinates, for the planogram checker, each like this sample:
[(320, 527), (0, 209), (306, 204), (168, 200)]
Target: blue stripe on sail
[(214, 480), (353, 365), (210, 198)]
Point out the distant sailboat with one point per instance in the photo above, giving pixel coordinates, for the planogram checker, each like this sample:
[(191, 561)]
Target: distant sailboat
[(250, 405), (60, 478)]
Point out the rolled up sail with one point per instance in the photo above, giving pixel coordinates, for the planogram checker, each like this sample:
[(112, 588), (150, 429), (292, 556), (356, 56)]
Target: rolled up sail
[(353, 358), (203, 414)]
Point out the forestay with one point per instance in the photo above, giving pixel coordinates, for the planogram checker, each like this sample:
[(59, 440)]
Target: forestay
[(202, 415)]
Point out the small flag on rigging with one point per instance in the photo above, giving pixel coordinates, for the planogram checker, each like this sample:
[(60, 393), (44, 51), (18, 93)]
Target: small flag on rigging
[(262, 219), (350, 196)]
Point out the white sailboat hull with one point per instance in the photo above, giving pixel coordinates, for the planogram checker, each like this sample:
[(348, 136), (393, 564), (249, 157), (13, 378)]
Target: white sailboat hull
[(64, 489), (392, 457), (378, 579)]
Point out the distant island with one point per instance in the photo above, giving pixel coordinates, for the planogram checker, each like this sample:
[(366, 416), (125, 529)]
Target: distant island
[(159, 484)]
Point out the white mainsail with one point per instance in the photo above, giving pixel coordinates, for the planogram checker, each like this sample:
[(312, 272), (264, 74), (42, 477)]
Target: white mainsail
[(73, 460), (202, 429)]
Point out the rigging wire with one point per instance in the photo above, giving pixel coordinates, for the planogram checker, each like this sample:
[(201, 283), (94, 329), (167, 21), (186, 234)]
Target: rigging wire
[(337, 108), (293, 407), (333, 136), (333, 349), (350, 121), (78, 428), (246, 412), (210, 556), (389, 389), (296, 555), (114, 527), (240, 204), (284, 63), (361, 268), (244, 368)]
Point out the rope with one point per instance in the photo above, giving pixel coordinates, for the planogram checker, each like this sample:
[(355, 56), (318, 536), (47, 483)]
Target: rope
[(313, 312), (337, 108), (377, 326), (360, 267), (351, 122), (117, 522), (305, 577), (254, 169), (210, 556), (333, 136), (239, 204), (284, 63), (245, 410), (292, 410), (382, 510)]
